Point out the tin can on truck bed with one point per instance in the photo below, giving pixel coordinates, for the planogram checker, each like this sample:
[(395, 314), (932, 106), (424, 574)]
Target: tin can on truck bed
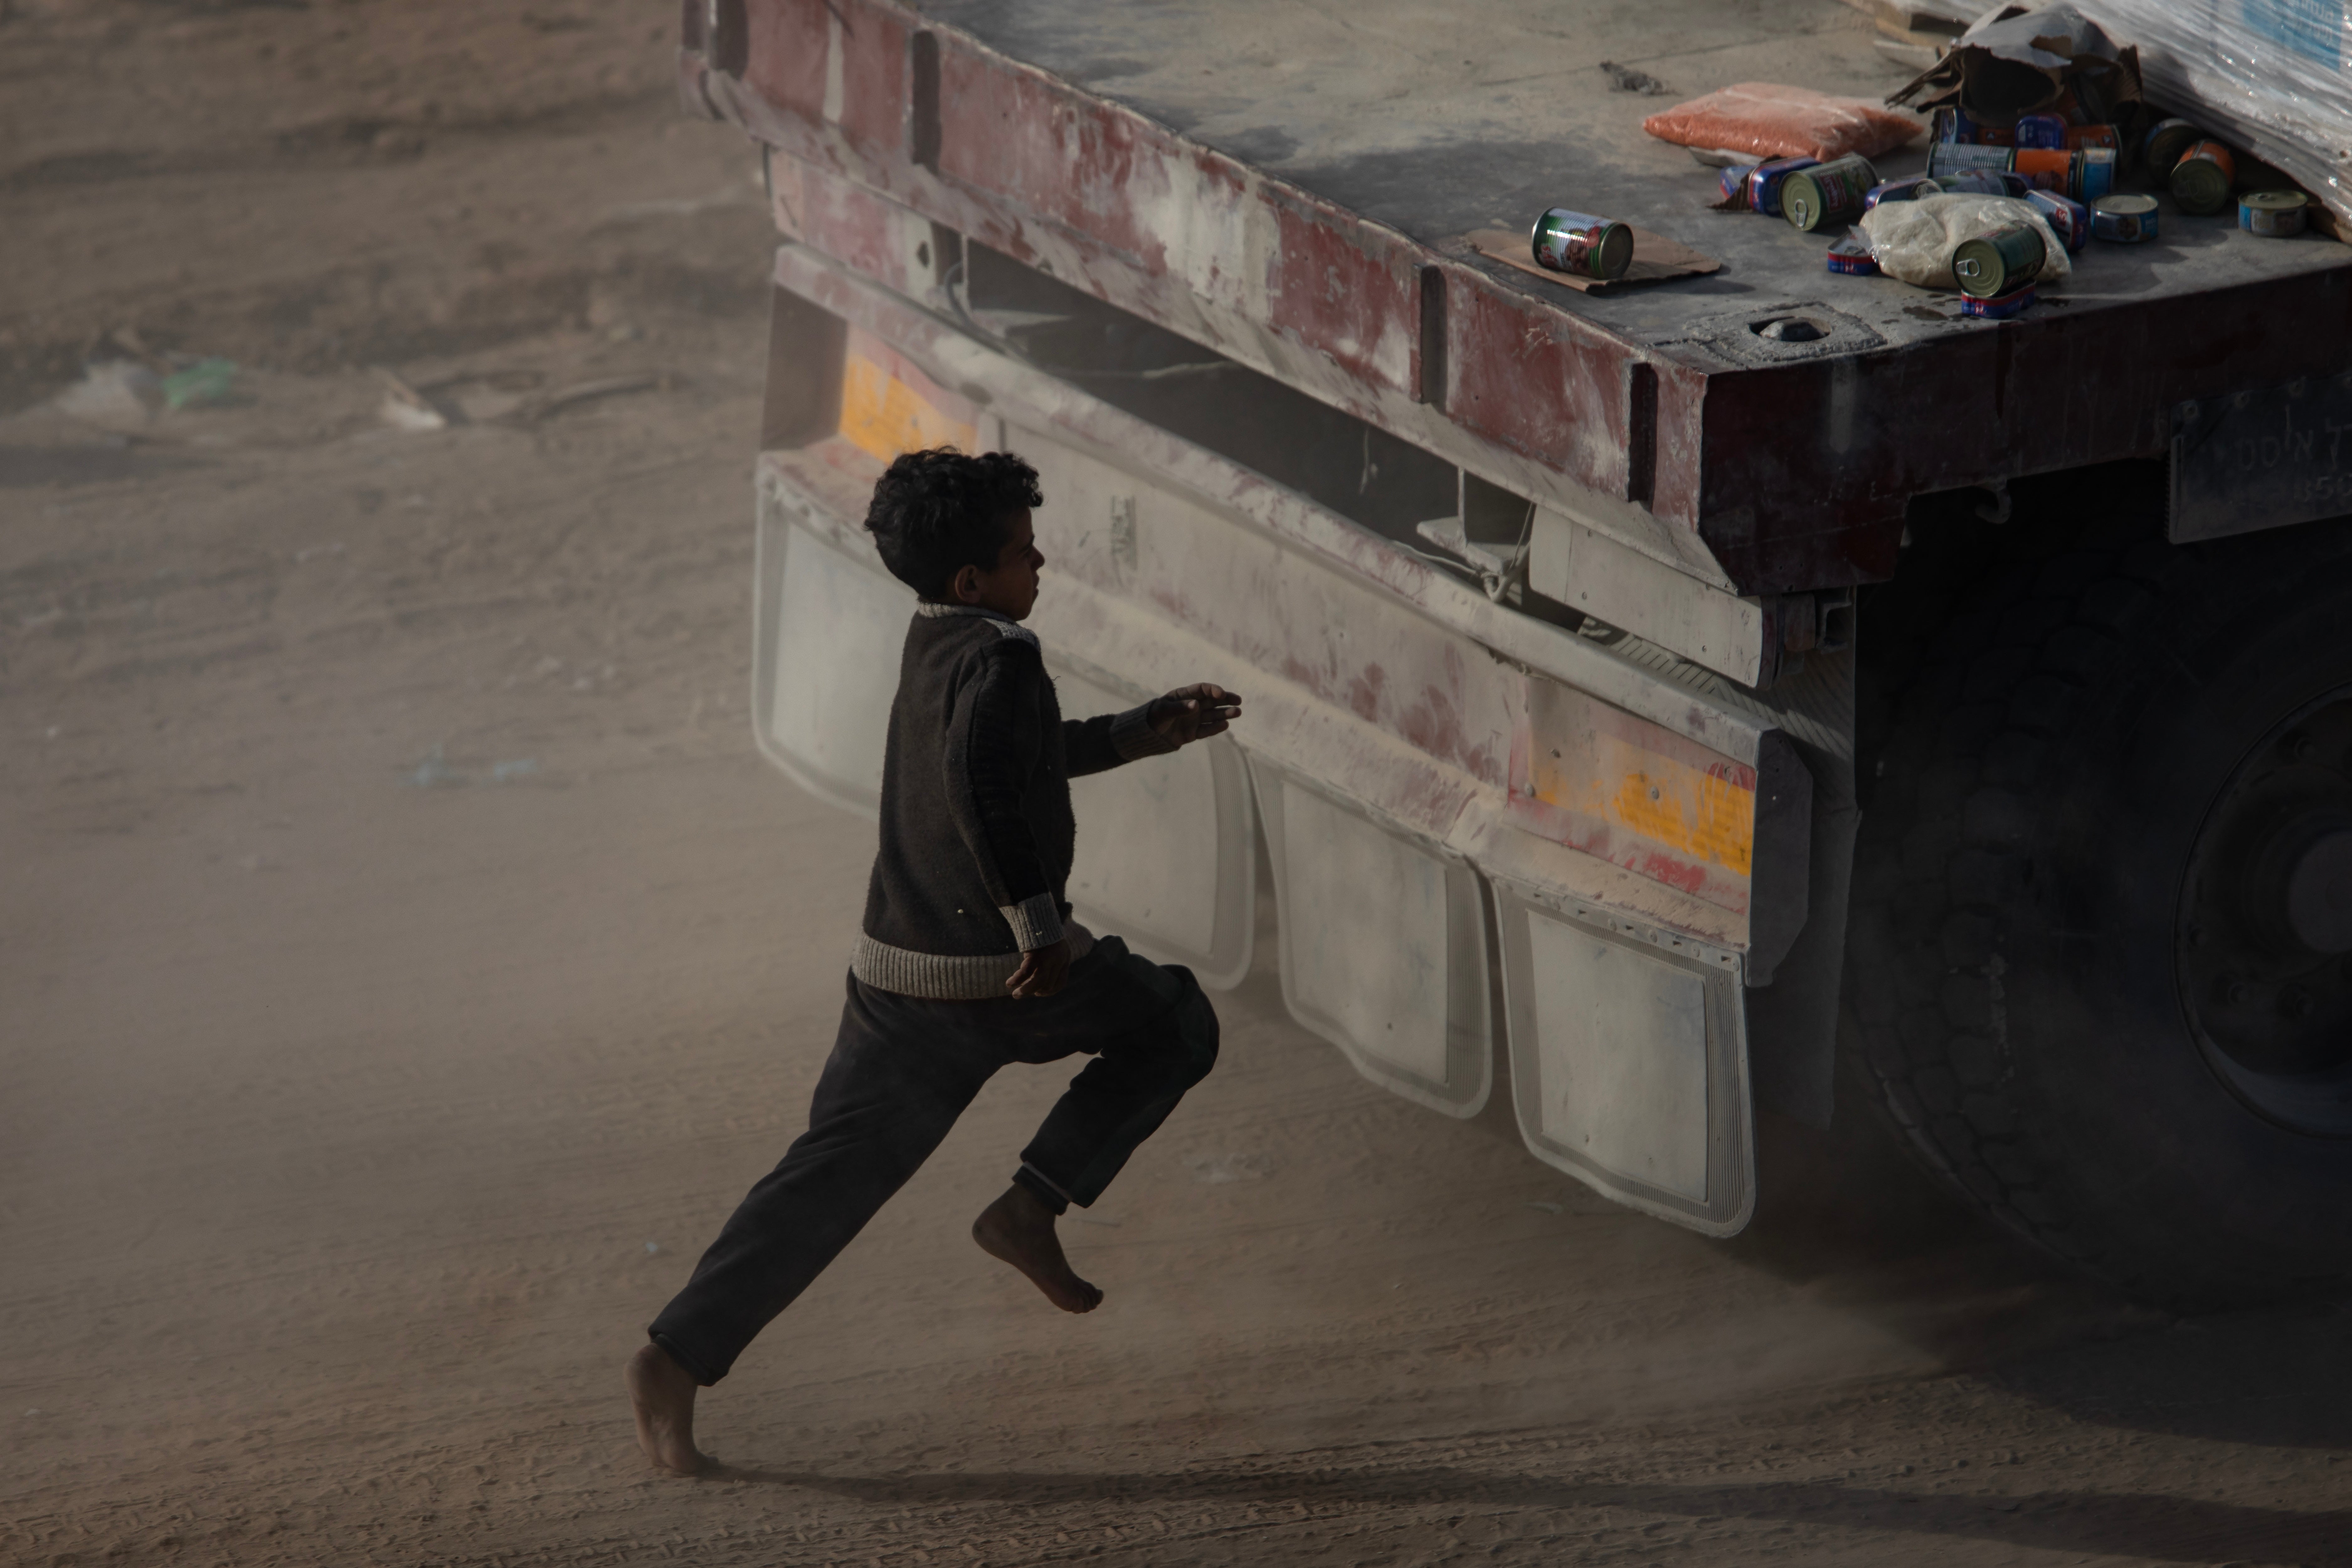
[(2275, 215), (2202, 180), (1832, 193), (1765, 180), (1581, 243), (1999, 261), (2067, 218), (2126, 219)]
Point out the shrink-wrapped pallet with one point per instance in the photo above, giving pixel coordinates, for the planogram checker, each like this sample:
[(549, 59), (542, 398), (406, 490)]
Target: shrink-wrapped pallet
[(2269, 76), (2266, 76)]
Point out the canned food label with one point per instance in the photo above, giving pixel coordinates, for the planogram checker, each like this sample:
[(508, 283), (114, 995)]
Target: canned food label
[(2040, 131), (2000, 307), (2095, 174), (2276, 215), (1842, 189), (1581, 243), (1952, 158), (1764, 182), (2050, 169), (2126, 219)]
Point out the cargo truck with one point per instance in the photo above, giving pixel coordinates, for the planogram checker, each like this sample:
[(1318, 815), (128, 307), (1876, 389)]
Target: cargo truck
[(1652, 691)]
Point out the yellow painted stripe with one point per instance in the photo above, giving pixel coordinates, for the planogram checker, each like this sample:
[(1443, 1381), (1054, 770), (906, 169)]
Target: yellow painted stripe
[(884, 415), (1684, 808), (1590, 775)]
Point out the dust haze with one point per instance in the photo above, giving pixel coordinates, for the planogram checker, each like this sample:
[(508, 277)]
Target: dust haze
[(405, 962)]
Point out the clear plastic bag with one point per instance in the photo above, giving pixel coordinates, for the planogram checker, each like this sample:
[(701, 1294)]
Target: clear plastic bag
[(1768, 121), (1913, 241)]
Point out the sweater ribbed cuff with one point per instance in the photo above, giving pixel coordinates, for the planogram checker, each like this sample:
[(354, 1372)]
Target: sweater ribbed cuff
[(1035, 920), (1134, 739), (948, 977)]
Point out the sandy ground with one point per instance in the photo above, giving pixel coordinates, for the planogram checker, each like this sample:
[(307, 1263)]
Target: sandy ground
[(405, 962)]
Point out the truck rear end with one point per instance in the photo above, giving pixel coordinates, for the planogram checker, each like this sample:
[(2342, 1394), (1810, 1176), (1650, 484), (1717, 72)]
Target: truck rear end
[(1545, 602)]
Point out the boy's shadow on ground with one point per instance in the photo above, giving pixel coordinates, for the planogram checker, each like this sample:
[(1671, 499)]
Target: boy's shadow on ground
[(2162, 1529)]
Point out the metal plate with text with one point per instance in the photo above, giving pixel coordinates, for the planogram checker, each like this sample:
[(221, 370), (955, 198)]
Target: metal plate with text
[(2252, 460)]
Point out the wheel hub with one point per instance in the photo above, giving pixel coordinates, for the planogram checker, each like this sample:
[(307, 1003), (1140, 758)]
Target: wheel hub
[(2319, 893), (2264, 941)]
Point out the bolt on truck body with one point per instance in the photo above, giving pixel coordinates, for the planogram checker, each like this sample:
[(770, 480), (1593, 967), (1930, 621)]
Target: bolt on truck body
[(1545, 602)]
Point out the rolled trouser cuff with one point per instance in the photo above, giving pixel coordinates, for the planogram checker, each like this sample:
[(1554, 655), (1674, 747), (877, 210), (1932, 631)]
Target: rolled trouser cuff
[(694, 1369), (1043, 1188)]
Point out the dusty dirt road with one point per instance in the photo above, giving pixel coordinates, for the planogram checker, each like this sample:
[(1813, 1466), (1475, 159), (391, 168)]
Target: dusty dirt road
[(405, 963)]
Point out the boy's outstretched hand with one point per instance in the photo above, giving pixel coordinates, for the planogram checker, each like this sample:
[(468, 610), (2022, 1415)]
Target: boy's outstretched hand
[(1192, 713)]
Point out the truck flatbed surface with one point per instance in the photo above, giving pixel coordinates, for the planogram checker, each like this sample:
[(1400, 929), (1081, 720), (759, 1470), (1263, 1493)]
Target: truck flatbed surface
[(1436, 118), (1380, 133)]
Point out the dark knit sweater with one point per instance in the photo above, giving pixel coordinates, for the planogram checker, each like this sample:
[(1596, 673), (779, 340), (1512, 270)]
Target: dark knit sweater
[(977, 831)]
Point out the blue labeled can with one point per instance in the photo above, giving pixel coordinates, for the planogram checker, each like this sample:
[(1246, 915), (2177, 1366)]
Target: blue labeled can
[(1733, 183), (1984, 182), (2095, 174), (2000, 307), (1951, 123), (1958, 157), (2069, 219), (2123, 220), (1764, 182), (2041, 130), (1910, 188), (2276, 215)]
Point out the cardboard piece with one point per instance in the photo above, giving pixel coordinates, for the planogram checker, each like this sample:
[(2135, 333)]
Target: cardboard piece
[(1655, 259), (2014, 61)]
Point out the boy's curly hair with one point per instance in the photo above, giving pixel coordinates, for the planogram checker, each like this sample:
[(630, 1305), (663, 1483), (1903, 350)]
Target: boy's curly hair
[(937, 511)]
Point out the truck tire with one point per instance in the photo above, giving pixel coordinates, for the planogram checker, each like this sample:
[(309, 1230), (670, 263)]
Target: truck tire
[(2100, 957)]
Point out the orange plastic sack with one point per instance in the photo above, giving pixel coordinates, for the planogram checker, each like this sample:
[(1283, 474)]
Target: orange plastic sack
[(1774, 121)]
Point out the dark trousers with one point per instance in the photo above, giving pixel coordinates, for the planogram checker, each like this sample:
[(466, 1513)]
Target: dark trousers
[(902, 1071)]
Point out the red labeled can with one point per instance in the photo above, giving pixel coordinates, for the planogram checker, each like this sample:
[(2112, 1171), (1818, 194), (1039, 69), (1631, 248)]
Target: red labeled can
[(1851, 254), (1589, 247), (2203, 179), (1999, 308)]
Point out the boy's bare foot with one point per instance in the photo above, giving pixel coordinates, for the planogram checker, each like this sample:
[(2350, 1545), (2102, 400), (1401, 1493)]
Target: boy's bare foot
[(1019, 1230), (661, 1392)]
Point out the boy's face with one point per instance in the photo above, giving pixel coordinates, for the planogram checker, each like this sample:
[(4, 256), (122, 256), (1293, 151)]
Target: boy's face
[(1009, 587)]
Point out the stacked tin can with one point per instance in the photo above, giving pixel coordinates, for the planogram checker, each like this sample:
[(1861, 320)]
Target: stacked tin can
[(2069, 219), (1828, 193)]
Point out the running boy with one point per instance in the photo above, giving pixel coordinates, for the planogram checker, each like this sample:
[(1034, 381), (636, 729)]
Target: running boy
[(970, 959)]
